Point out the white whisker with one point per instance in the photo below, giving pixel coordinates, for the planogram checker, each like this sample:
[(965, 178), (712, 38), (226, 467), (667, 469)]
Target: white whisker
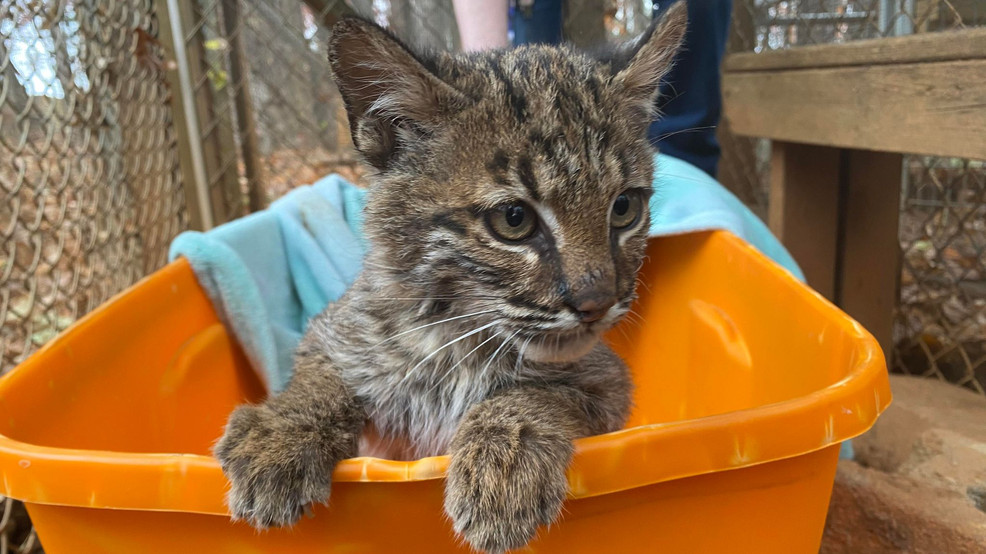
[(495, 352), (520, 354), (449, 343), (418, 328), (624, 333), (462, 359), (689, 130), (367, 263), (635, 318)]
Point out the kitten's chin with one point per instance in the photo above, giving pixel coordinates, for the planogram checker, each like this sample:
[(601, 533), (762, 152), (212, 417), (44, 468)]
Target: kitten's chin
[(566, 349)]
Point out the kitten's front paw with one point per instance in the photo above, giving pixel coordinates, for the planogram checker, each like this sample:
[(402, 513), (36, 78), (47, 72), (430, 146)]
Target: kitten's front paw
[(275, 468), (501, 488)]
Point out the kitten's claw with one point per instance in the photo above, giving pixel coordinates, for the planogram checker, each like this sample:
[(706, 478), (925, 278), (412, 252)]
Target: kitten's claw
[(274, 474)]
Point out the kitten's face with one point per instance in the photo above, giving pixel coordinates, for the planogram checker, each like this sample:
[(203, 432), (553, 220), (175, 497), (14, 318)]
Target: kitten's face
[(513, 183)]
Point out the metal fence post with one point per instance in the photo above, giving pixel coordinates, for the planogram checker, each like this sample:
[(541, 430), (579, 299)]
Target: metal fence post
[(191, 163), (207, 111)]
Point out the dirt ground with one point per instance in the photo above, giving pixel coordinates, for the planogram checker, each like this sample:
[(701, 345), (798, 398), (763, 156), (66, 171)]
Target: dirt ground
[(918, 484)]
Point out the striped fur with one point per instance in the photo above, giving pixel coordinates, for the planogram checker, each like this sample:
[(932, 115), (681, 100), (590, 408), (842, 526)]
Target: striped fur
[(453, 340)]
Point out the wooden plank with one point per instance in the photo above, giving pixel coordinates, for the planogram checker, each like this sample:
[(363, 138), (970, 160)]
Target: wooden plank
[(963, 44), (936, 109), (869, 267), (804, 205)]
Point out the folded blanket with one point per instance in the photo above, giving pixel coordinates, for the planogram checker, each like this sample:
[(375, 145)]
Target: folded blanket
[(268, 273)]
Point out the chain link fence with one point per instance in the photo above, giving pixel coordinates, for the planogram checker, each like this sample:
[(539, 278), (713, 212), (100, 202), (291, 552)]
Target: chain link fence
[(90, 192), (89, 181), (269, 115), (276, 120)]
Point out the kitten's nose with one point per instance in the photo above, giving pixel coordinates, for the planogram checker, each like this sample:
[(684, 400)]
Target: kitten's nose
[(593, 308)]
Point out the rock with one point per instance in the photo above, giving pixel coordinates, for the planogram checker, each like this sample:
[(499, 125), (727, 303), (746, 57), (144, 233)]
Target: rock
[(873, 512), (919, 480), (932, 431)]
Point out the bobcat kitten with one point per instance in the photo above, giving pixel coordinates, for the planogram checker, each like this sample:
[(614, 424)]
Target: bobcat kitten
[(507, 219)]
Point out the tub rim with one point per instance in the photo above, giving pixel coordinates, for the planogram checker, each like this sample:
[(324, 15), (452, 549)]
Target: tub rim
[(732, 440)]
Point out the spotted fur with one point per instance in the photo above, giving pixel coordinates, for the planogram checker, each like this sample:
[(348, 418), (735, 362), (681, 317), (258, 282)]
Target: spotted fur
[(453, 340)]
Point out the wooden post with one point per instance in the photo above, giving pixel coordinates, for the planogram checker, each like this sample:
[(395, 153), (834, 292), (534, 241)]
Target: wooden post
[(803, 211), (217, 153), (215, 104), (837, 213), (870, 266)]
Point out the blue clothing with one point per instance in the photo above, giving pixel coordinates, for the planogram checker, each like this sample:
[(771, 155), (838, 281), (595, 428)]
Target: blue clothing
[(690, 101), (539, 23)]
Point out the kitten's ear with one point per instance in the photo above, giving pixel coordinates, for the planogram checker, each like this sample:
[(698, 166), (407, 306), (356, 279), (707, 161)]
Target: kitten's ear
[(389, 94), (641, 64)]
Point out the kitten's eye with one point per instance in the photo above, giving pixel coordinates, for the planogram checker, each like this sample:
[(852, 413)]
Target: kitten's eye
[(626, 210), (512, 222)]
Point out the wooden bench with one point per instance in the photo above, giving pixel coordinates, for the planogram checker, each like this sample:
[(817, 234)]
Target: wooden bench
[(841, 117)]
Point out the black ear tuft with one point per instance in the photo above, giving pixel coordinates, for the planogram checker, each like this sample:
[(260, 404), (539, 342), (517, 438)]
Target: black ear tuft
[(388, 90)]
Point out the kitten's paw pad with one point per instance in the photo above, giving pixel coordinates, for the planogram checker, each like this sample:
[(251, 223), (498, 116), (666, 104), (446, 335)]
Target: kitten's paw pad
[(273, 472), (498, 504)]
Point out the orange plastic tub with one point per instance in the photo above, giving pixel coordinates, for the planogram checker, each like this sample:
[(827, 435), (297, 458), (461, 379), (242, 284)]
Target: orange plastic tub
[(747, 382)]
